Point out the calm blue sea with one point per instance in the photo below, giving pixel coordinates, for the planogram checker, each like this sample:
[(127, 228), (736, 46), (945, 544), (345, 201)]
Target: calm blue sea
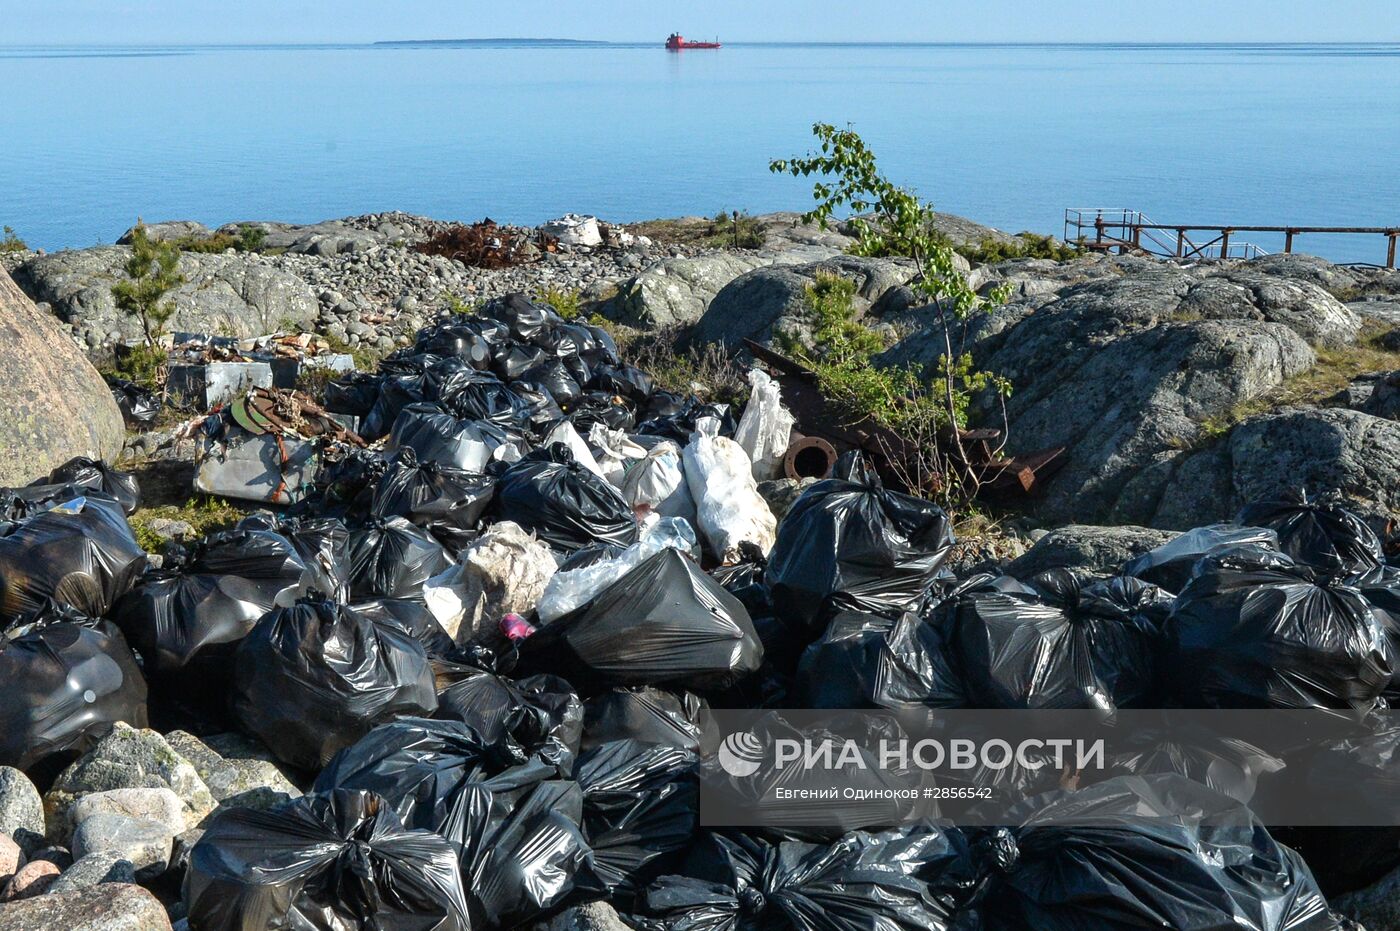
[(1009, 135)]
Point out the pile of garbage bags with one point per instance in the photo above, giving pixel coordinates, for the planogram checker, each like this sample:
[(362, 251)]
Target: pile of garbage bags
[(487, 644)]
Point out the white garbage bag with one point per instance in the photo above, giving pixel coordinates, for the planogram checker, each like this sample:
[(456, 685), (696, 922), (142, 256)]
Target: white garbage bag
[(615, 452), (729, 509), (568, 591), (564, 432), (766, 427), (503, 571), (657, 484)]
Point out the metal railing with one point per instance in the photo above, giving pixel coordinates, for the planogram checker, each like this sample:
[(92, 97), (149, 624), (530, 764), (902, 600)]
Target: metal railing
[(1106, 229)]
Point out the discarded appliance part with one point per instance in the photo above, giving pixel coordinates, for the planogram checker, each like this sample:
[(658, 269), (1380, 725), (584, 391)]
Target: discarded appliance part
[(809, 457), (268, 468), (208, 385)]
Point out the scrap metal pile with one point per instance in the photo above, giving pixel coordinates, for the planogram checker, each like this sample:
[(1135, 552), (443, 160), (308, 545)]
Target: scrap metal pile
[(486, 644)]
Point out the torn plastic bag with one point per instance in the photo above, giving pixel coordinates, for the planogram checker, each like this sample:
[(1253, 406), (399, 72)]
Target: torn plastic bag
[(912, 879), (316, 677), (536, 715), (353, 393), (139, 406), (395, 393), (1169, 565), (503, 571), (473, 395), (676, 423), (92, 475), (600, 407), (393, 559), (574, 585), (1251, 630), (657, 483), (625, 381), (323, 544), (765, 429), (554, 376), (564, 432), (562, 502), (326, 862), (648, 715), (665, 622), (729, 509), (1160, 851), (75, 549), (68, 679), (197, 606), (849, 543), (414, 619), (1318, 533), (616, 452), (1074, 641), (518, 829), (641, 805), (437, 436), (446, 501)]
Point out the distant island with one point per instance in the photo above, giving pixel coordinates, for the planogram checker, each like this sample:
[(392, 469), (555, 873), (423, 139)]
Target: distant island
[(495, 42)]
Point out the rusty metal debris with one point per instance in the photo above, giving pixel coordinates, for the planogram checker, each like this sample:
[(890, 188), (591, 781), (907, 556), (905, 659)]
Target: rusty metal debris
[(488, 245), (820, 434), (288, 412)]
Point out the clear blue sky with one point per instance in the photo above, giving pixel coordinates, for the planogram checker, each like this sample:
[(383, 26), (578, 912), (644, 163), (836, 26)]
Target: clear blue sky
[(219, 21)]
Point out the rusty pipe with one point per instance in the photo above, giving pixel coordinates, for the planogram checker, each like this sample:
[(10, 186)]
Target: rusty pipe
[(808, 457)]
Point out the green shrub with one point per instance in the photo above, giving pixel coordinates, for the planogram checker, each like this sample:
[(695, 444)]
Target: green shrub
[(734, 229), (151, 273), (1024, 245), (10, 242), (566, 303), (249, 239)]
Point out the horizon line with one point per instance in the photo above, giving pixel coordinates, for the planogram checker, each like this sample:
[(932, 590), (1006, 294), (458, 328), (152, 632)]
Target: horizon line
[(990, 43)]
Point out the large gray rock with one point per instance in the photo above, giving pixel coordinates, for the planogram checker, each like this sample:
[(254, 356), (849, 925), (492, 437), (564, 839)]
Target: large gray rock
[(765, 302), (244, 783), (1336, 279), (104, 866), (229, 295), (159, 805), (593, 916), (1080, 546), (1377, 907), (675, 292), (21, 810), (332, 237), (56, 406), (1319, 451), (107, 907), (125, 759), (1245, 294), (144, 844), (169, 229)]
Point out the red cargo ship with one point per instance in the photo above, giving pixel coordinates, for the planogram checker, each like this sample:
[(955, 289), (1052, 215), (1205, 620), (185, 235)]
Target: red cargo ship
[(675, 42)]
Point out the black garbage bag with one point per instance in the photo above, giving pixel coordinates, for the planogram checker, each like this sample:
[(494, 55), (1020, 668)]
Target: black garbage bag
[(414, 619), (1160, 852), (1318, 533), (512, 360), (665, 622), (466, 339), (1169, 565), (323, 544), (542, 409), (901, 880), (1253, 630), (525, 319), (1381, 589), (327, 862), (90, 475), (625, 381), (647, 715), (437, 436), (474, 395), (139, 406), (640, 810), (849, 544), (590, 555), (75, 549), (604, 350), (554, 376), (1069, 641), (344, 484), (678, 425), (600, 407), (68, 678), (395, 393), (536, 715), (193, 611), (563, 503), (353, 393), (1218, 761), (391, 558), (518, 828), (869, 661), (316, 677), (446, 501)]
